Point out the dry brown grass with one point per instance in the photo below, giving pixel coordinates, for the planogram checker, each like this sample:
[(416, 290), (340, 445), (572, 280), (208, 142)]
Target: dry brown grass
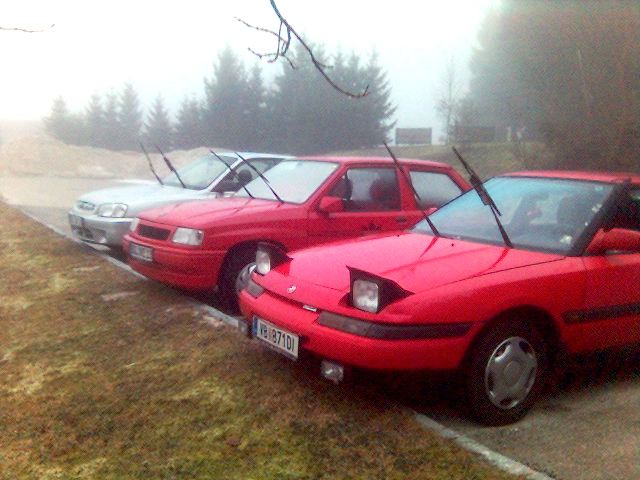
[(104, 375)]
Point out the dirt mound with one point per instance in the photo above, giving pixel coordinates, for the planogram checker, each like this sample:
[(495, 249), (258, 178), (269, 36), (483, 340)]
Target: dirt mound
[(41, 154)]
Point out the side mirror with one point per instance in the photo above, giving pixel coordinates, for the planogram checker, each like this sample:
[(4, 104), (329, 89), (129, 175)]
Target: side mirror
[(616, 240), (331, 205)]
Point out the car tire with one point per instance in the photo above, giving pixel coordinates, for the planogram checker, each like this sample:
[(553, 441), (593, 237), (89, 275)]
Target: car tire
[(504, 372), (235, 275)]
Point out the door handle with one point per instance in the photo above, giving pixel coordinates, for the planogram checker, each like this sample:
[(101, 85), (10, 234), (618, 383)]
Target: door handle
[(402, 219)]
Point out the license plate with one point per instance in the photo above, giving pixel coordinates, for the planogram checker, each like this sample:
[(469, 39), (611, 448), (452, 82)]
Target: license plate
[(76, 221), (141, 252), (280, 340)]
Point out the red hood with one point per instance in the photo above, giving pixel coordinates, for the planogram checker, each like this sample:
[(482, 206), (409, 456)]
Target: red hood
[(203, 213), (416, 262)]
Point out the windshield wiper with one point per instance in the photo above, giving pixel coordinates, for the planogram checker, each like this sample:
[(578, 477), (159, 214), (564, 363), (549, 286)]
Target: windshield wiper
[(477, 185), (264, 179), (407, 179), (153, 170), (232, 170), (170, 165)]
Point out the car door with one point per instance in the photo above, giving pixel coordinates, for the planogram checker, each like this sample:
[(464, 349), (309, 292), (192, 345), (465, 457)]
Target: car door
[(612, 297), (372, 202)]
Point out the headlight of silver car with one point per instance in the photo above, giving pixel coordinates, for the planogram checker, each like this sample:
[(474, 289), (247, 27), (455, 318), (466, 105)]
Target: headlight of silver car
[(114, 210), (188, 236), (134, 224)]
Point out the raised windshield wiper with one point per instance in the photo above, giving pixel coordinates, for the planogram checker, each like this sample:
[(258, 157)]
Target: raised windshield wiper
[(153, 170), (477, 185), (264, 179), (170, 165), (232, 170), (407, 179)]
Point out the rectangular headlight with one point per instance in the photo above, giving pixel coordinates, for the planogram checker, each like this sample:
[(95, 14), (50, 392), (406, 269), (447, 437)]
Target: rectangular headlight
[(188, 236), (366, 295)]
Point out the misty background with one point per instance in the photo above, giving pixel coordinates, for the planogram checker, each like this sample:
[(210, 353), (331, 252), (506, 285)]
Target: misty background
[(561, 74)]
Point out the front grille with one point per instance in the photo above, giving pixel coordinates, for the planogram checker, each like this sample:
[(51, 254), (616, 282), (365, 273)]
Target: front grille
[(153, 232), (86, 206)]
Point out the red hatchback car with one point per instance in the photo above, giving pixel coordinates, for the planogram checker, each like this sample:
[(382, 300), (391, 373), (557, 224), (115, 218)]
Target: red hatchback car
[(298, 203), (494, 286)]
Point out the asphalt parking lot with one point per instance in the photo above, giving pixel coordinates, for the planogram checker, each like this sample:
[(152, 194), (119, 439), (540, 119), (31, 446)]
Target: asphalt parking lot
[(586, 427)]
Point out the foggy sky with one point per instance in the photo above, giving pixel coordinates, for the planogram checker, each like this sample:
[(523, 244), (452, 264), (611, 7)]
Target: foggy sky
[(170, 47)]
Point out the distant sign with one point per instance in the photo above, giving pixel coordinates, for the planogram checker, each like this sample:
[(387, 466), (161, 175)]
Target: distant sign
[(413, 136)]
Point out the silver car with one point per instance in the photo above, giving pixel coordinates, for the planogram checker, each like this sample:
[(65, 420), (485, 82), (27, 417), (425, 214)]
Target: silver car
[(104, 216)]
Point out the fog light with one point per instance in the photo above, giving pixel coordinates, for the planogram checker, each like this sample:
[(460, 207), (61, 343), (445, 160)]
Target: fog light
[(332, 371)]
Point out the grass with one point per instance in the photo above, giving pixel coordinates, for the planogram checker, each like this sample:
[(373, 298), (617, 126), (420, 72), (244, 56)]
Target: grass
[(106, 376)]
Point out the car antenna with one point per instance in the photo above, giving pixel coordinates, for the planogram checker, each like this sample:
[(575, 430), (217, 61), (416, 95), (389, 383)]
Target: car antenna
[(170, 165), (415, 193), (235, 174), (264, 179), (153, 170), (477, 185)]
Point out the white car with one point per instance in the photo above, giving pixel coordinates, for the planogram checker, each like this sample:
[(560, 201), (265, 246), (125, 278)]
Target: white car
[(104, 216)]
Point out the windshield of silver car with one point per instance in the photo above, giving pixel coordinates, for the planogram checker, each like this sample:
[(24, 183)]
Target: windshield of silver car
[(293, 181), (542, 214), (199, 174)]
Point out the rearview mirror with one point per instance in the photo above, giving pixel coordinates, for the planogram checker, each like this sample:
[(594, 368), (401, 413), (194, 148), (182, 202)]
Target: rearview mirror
[(616, 240), (331, 205)]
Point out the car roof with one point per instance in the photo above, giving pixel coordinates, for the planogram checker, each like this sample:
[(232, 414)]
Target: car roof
[(381, 160), (609, 177), (247, 155)]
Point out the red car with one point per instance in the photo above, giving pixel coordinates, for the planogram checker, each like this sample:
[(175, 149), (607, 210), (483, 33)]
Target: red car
[(298, 203), (494, 286)]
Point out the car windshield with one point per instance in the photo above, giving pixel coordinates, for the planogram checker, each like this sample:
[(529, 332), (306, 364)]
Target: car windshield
[(294, 181), (199, 174), (542, 214)]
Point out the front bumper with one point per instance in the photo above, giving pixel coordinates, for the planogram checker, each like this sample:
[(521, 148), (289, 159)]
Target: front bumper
[(353, 350), (181, 268), (101, 230)]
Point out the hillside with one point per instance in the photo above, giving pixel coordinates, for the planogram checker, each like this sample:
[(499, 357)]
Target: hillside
[(40, 154)]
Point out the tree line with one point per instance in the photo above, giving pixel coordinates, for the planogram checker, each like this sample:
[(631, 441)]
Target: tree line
[(298, 113), (566, 73)]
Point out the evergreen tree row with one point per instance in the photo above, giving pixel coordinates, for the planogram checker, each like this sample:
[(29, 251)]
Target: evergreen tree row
[(299, 113)]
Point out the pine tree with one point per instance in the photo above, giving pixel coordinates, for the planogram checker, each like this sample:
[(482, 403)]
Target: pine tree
[(111, 126), (129, 119), (226, 107), (94, 122), (62, 124), (158, 128), (190, 129)]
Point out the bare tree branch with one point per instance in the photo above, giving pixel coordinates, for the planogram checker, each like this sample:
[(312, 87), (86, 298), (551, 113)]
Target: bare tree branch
[(284, 42), (24, 30)]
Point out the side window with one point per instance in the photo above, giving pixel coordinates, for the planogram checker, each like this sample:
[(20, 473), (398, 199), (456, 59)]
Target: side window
[(368, 189), (434, 189), (628, 211)]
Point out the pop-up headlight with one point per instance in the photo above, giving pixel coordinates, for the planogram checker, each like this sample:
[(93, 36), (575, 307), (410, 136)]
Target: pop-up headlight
[(372, 293), (269, 256)]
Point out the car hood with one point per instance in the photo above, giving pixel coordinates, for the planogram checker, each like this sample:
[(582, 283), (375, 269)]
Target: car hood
[(416, 262), (140, 195), (204, 213)]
